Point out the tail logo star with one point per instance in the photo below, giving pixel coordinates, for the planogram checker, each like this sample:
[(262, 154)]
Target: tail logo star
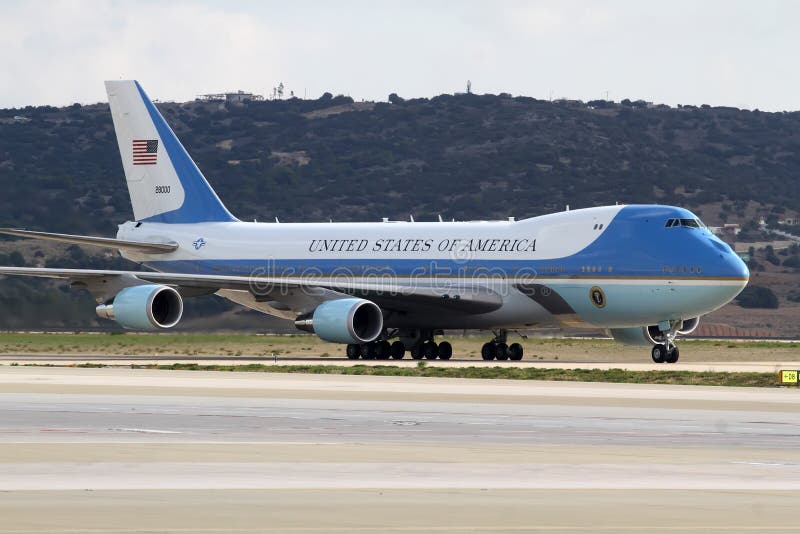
[(198, 243)]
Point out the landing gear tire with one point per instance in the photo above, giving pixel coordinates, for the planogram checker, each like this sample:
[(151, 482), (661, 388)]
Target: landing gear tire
[(353, 351), (416, 352), (659, 353), (398, 350), (445, 350), (501, 351), (515, 352), (487, 351), (430, 350), (368, 351), (672, 355), (383, 350)]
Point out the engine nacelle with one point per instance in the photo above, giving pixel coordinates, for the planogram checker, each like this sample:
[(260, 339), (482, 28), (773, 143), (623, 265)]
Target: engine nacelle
[(145, 307), (350, 320)]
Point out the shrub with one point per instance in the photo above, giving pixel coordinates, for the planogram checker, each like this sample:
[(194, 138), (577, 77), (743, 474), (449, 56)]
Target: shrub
[(757, 297)]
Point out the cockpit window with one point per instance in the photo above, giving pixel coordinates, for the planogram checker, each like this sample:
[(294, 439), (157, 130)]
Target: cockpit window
[(686, 223)]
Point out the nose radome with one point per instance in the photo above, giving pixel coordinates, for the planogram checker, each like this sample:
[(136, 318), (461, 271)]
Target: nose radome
[(738, 268), (738, 273), (732, 264)]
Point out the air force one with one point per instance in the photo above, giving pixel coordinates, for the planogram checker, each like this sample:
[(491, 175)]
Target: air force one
[(643, 273)]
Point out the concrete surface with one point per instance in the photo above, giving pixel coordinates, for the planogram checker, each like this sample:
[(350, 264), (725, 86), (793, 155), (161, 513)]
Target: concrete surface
[(640, 364), (121, 450)]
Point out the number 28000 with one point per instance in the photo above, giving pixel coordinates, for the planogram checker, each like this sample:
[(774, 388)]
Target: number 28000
[(162, 189)]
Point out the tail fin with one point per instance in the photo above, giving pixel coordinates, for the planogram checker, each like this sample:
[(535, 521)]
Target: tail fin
[(164, 183)]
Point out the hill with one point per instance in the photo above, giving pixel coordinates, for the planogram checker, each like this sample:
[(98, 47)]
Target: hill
[(462, 156)]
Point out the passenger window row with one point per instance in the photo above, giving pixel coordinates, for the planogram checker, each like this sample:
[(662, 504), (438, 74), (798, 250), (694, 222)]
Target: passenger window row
[(594, 269), (681, 269)]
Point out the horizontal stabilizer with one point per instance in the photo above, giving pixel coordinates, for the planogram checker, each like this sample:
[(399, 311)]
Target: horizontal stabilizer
[(134, 246)]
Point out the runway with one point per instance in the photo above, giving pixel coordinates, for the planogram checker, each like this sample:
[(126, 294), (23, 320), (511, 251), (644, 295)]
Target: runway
[(125, 450), (762, 366)]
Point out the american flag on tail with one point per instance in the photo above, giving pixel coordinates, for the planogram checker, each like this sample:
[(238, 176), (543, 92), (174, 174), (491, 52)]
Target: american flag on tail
[(145, 151)]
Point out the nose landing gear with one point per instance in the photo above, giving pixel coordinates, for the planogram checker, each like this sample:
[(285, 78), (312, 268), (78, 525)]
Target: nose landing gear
[(665, 350), (661, 354)]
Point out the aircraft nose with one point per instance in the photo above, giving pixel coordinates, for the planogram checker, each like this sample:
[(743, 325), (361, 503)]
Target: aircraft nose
[(730, 265), (728, 268), (733, 269), (739, 272), (740, 269)]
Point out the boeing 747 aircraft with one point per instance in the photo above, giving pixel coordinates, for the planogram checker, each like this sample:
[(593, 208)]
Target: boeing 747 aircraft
[(643, 273)]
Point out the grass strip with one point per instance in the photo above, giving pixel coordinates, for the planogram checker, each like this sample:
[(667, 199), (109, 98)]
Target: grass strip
[(509, 373)]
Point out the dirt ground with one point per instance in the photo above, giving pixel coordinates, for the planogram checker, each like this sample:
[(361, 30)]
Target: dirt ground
[(309, 346)]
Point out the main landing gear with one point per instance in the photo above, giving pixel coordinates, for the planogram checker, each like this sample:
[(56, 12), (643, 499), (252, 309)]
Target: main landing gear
[(430, 350), (377, 350), (500, 350), (421, 345), (424, 347)]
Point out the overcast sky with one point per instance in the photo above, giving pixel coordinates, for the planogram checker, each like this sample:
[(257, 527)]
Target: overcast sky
[(735, 53)]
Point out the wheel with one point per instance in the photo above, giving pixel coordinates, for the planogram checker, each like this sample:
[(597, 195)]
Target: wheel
[(659, 353), (487, 351), (383, 350), (429, 350), (416, 352), (515, 352), (398, 350), (501, 351), (368, 351), (673, 355), (445, 350), (353, 351)]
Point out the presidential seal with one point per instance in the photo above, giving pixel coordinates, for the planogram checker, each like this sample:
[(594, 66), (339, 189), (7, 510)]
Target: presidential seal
[(597, 296)]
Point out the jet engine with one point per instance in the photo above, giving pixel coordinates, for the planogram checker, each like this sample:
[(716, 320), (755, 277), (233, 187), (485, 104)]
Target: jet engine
[(350, 320), (145, 307)]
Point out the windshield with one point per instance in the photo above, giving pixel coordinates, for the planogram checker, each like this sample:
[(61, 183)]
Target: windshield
[(686, 223)]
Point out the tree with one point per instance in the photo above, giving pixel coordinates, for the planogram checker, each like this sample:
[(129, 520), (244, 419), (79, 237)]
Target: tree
[(757, 297), (792, 261)]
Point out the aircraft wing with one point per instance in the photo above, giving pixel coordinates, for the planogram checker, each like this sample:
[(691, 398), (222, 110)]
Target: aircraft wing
[(457, 297), (135, 246)]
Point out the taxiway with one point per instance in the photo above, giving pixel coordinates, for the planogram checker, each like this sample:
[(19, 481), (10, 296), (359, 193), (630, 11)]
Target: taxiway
[(136, 451)]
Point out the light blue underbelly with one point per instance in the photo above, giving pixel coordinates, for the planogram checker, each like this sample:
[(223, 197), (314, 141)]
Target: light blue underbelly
[(644, 304)]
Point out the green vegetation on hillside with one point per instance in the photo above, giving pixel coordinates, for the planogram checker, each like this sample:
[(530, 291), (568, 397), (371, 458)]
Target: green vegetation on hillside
[(462, 156)]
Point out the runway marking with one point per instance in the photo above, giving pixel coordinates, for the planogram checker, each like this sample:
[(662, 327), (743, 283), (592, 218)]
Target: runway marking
[(282, 475), (449, 528), (144, 430), (769, 464)]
